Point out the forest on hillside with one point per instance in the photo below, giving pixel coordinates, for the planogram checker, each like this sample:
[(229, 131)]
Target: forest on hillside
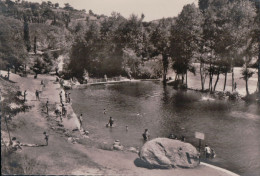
[(219, 35)]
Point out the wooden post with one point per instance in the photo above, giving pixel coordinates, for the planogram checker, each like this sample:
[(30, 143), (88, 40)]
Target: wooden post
[(200, 136)]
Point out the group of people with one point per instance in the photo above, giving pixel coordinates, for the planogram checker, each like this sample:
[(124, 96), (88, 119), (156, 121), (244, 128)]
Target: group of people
[(110, 123), (63, 111), (14, 144), (209, 152), (67, 97)]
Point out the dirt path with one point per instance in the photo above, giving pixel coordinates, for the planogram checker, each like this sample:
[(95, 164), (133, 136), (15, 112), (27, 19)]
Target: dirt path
[(63, 157)]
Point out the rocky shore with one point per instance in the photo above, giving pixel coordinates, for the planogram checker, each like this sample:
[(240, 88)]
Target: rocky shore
[(70, 151)]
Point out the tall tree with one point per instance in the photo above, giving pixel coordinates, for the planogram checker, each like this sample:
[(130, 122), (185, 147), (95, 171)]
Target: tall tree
[(160, 40), (184, 40), (35, 45), (27, 35)]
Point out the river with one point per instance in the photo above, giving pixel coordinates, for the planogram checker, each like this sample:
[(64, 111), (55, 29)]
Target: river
[(232, 128)]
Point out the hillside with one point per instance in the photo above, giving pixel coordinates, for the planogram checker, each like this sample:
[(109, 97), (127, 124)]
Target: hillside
[(44, 32)]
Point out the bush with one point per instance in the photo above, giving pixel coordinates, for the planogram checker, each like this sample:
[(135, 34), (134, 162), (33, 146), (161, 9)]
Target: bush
[(16, 163), (150, 70)]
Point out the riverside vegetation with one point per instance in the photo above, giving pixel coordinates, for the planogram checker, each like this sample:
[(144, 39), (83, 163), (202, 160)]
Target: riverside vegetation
[(222, 34), (39, 38)]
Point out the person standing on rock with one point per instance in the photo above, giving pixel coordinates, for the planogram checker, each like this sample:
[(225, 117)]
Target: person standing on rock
[(46, 137), (146, 135), (47, 107), (207, 151)]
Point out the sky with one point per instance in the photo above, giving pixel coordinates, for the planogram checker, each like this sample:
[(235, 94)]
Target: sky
[(152, 9)]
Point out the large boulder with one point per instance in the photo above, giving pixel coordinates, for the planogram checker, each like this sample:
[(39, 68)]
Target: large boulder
[(168, 153)]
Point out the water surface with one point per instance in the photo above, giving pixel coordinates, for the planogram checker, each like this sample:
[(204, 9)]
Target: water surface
[(231, 128)]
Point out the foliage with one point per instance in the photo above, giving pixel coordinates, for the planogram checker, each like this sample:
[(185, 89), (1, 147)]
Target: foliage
[(160, 40), (185, 37), (12, 49)]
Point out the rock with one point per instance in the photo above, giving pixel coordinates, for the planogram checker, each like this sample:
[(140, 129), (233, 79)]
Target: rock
[(117, 145), (73, 140), (84, 132), (168, 153), (133, 149)]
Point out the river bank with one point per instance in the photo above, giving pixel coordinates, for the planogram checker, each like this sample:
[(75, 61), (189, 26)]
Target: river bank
[(61, 156)]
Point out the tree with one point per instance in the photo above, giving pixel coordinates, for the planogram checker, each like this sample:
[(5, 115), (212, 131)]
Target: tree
[(38, 67), (257, 37), (160, 40), (27, 36), (91, 12), (184, 40), (226, 28), (56, 5), (67, 6), (12, 49), (35, 45)]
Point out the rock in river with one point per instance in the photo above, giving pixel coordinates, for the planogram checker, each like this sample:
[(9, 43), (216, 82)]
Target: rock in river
[(168, 153)]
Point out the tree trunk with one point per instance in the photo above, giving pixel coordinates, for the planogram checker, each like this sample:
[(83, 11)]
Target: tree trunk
[(35, 45), (176, 76), (258, 62), (8, 73), (210, 80), (182, 78), (210, 77), (165, 67), (186, 79), (247, 92), (201, 76), (8, 130), (225, 82), (216, 80), (232, 78)]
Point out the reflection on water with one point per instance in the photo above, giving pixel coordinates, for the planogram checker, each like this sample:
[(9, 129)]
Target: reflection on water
[(231, 128)]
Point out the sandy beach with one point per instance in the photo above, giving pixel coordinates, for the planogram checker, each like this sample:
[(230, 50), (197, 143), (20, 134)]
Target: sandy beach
[(61, 156)]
